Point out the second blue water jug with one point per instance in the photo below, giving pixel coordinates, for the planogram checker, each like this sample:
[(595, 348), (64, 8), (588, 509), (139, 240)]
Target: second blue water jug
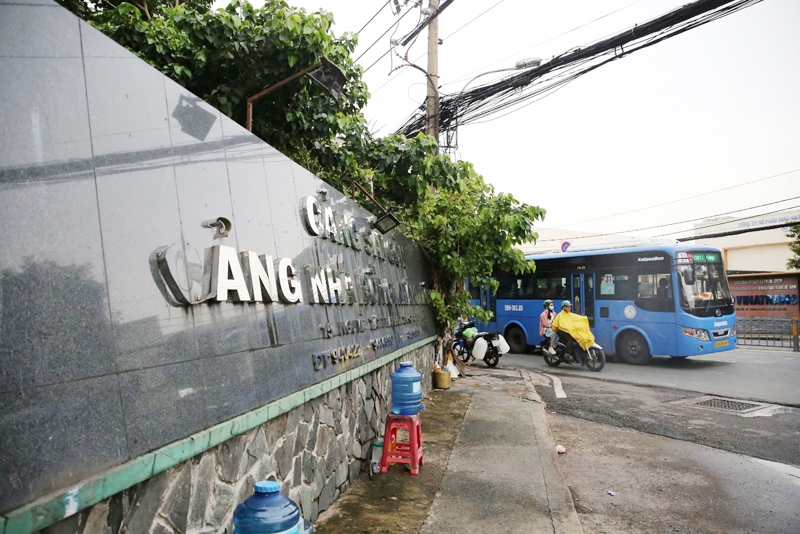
[(268, 511), (406, 390)]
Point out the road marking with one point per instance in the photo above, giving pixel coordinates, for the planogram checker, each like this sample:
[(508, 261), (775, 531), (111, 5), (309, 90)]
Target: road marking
[(557, 386)]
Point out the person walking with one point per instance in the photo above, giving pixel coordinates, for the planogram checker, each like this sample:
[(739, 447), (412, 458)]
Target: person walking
[(546, 325)]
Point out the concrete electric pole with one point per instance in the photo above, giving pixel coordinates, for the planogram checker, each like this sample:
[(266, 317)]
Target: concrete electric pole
[(433, 74)]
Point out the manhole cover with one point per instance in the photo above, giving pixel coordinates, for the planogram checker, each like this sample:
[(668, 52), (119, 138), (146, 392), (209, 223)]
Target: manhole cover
[(728, 405)]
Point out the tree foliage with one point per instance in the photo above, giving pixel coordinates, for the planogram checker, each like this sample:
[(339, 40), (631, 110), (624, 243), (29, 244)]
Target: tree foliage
[(227, 55), (469, 231), (794, 246)]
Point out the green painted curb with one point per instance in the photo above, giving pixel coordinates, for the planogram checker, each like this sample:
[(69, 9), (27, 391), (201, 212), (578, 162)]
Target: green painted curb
[(55, 507)]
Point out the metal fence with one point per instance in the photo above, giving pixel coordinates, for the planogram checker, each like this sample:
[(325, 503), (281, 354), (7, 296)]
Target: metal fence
[(768, 332)]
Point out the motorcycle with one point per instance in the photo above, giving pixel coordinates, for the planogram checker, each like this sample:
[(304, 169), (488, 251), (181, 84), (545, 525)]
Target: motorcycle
[(482, 346), (593, 358)]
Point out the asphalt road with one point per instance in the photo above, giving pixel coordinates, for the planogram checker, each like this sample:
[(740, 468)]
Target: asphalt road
[(759, 374), (673, 464)]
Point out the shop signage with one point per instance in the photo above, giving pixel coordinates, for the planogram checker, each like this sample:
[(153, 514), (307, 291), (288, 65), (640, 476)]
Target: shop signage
[(774, 297), (228, 275), (249, 276)]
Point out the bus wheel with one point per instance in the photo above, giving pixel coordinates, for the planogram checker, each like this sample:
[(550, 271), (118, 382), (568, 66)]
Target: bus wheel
[(633, 349), (516, 339)]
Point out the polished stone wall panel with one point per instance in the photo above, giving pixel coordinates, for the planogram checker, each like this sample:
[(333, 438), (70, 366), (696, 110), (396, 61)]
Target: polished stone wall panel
[(56, 35), (44, 126), (162, 404), (232, 386), (52, 436), (104, 165), (54, 316), (279, 365), (133, 154)]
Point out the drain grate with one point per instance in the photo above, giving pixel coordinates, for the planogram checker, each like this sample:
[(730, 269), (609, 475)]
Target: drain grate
[(724, 404), (728, 405)]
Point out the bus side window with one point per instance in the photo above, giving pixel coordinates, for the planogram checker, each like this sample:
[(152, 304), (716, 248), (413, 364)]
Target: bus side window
[(507, 287), (655, 293), (616, 284), (557, 287), (529, 285)]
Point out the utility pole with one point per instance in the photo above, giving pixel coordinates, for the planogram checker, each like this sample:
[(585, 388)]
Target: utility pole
[(432, 102)]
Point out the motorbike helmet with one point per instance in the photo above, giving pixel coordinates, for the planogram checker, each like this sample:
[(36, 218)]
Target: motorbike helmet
[(566, 303), (547, 303)]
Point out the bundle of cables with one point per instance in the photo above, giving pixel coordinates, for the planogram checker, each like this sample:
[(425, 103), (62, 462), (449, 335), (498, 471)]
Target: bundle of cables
[(486, 100)]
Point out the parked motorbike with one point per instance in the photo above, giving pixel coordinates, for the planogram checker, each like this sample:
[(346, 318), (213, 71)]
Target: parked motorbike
[(594, 358), (482, 346)]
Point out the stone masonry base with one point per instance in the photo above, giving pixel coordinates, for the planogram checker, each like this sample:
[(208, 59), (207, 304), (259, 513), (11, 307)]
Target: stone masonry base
[(315, 450)]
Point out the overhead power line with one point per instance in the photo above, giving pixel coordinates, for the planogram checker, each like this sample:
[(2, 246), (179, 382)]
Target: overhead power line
[(740, 219), (706, 217), (382, 35), (473, 20), (408, 38), (483, 101), (717, 190), (469, 75), (373, 16), (734, 232)]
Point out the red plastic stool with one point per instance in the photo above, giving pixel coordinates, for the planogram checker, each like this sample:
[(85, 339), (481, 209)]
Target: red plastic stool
[(395, 452)]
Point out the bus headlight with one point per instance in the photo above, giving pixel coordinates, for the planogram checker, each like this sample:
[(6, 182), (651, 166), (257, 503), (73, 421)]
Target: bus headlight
[(697, 333), (733, 330)]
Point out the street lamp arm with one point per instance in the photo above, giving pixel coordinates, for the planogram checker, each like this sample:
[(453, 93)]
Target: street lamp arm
[(369, 195), (272, 88)]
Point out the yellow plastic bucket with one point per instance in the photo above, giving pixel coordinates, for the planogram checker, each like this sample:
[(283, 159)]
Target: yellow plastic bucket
[(441, 379)]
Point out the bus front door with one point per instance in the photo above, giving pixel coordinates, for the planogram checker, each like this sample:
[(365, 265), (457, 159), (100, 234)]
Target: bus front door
[(492, 298), (582, 285), (489, 303)]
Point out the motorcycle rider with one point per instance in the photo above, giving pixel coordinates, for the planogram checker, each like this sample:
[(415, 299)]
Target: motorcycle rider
[(545, 325), (566, 309), (572, 329)]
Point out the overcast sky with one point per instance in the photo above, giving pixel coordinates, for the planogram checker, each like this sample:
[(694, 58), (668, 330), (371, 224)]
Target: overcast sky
[(711, 108)]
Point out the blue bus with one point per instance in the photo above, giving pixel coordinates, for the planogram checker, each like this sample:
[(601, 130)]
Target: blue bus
[(640, 300)]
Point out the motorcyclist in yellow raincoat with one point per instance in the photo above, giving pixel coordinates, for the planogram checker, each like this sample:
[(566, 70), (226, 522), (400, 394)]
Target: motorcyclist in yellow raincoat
[(572, 327)]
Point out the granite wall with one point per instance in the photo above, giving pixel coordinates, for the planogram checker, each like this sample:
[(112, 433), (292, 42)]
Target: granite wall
[(162, 270)]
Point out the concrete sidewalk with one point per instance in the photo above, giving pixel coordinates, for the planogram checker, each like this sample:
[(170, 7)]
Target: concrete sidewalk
[(490, 466)]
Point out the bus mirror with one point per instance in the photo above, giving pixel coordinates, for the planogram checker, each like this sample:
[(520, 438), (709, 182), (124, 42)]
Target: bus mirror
[(688, 277)]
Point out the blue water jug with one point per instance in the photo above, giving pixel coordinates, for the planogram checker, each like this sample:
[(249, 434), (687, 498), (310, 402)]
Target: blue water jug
[(268, 511), (406, 390)]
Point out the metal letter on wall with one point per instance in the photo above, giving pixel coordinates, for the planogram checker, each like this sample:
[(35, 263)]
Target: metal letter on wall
[(225, 261), (289, 288), (310, 215), (259, 271)]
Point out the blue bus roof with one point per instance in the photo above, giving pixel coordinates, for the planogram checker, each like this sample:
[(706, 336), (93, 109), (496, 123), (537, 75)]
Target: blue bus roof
[(608, 250)]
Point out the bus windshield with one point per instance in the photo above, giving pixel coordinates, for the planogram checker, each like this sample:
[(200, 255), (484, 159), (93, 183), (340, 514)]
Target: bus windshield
[(703, 285)]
